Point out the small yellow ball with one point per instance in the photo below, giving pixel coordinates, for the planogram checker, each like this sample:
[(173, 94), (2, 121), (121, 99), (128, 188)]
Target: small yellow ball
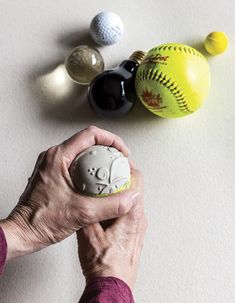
[(216, 43)]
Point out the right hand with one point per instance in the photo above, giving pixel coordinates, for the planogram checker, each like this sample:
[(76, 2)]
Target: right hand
[(115, 251)]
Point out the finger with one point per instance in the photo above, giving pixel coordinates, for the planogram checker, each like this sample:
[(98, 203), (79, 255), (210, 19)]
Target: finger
[(137, 179), (114, 206), (136, 213), (133, 222), (137, 183), (132, 164), (89, 137), (90, 232), (38, 162), (105, 208)]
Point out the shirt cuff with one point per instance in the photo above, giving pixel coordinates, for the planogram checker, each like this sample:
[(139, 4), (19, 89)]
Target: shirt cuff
[(107, 290), (3, 250)]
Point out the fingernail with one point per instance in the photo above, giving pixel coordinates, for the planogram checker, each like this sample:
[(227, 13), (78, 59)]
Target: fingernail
[(134, 196)]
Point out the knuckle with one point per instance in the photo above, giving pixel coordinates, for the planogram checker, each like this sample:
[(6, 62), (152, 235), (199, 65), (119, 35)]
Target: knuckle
[(52, 155), (138, 220), (92, 128), (39, 160), (122, 208), (50, 152), (41, 155), (116, 138), (135, 216), (86, 217)]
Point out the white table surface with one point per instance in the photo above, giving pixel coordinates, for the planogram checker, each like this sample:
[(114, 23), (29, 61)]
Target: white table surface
[(188, 163)]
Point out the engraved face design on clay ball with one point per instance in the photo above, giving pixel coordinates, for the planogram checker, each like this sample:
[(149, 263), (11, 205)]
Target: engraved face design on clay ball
[(100, 170)]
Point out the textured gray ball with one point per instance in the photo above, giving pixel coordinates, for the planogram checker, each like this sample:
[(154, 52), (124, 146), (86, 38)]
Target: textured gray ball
[(100, 170)]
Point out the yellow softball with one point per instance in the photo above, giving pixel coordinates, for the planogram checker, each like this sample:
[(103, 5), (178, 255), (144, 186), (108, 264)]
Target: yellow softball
[(216, 43), (173, 80)]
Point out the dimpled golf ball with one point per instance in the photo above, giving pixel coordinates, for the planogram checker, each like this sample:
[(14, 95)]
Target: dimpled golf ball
[(83, 64), (100, 171), (106, 28), (216, 43)]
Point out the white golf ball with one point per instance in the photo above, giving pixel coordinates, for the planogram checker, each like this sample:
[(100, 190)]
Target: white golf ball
[(106, 28)]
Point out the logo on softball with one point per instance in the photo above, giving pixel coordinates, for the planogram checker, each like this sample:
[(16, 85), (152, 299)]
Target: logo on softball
[(158, 58), (154, 101)]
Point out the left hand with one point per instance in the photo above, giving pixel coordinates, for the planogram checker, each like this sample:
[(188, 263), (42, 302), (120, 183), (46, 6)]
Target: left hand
[(50, 209)]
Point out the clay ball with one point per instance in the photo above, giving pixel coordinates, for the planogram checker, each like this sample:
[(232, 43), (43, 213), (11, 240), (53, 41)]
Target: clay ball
[(100, 171)]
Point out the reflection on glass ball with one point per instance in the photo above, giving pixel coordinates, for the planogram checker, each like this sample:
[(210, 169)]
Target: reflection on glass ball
[(83, 64)]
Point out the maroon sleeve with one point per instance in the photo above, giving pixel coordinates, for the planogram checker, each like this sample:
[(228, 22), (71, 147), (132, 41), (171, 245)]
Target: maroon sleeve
[(3, 250), (107, 290), (99, 290)]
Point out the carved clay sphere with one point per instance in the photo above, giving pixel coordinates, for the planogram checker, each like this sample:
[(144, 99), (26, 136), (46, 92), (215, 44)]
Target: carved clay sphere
[(100, 171)]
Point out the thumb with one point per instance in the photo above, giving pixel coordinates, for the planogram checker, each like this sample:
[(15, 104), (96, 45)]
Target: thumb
[(111, 207)]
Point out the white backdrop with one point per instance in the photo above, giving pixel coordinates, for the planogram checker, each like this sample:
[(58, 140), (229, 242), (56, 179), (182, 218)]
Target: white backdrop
[(188, 163)]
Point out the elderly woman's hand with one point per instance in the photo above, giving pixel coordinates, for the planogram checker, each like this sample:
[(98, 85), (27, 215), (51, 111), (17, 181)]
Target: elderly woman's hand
[(50, 209), (115, 250)]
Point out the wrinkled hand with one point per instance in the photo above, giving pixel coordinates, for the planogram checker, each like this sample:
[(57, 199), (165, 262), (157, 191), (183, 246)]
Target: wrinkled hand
[(50, 209), (115, 250)]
